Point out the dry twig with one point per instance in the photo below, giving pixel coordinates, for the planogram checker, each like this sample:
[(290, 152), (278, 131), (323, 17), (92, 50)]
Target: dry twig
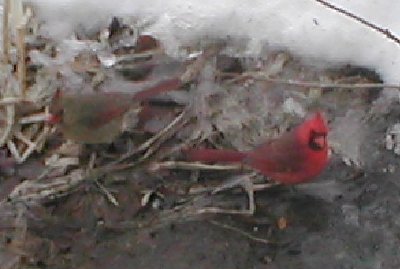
[(361, 20)]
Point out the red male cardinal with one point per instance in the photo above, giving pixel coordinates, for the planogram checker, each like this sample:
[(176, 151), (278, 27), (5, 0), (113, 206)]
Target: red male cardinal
[(97, 117), (295, 157)]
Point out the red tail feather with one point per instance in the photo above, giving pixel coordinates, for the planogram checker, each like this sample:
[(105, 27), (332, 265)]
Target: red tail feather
[(215, 155)]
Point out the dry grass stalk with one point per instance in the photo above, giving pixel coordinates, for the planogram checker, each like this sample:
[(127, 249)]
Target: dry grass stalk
[(32, 141), (9, 111), (241, 232), (110, 197), (150, 146), (6, 33), (192, 166), (21, 67), (33, 191), (261, 76)]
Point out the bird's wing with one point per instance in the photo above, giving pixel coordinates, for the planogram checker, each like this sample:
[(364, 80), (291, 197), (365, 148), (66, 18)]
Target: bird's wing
[(95, 110), (280, 155)]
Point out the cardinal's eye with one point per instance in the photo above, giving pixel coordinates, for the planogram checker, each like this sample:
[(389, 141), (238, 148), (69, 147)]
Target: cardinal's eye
[(317, 141)]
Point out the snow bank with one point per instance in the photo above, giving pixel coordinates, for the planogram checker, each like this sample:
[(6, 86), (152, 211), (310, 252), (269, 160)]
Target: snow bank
[(304, 27)]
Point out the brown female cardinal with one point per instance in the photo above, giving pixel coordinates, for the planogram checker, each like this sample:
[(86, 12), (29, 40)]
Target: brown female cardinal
[(295, 157), (97, 117)]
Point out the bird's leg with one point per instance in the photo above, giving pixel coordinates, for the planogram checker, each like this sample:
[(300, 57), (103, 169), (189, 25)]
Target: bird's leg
[(246, 183)]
